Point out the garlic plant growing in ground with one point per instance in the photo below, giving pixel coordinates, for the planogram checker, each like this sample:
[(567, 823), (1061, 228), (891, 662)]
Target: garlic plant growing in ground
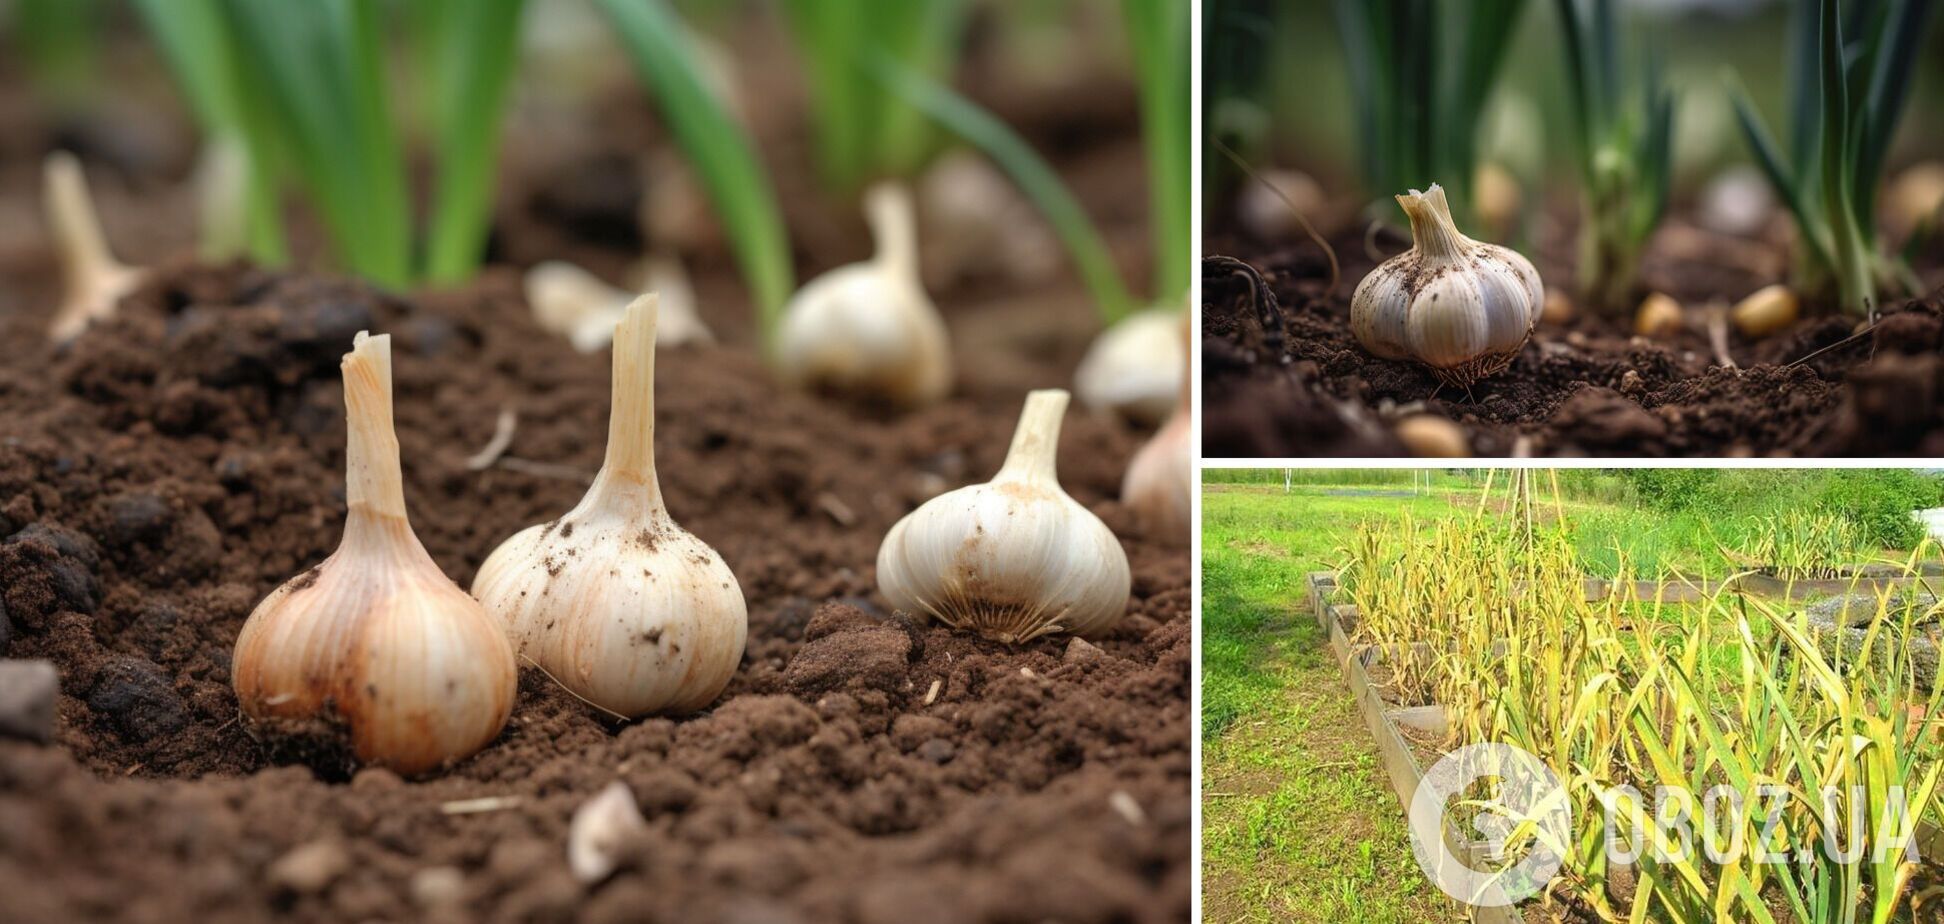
[(614, 600), (1461, 307), (869, 329), (375, 642), (577, 305), (1130, 368), (94, 282), (1012, 559), (1159, 483)]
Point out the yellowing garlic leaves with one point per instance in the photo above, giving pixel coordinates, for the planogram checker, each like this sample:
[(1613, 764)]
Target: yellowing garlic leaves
[(869, 329), (375, 640), (1014, 558), (614, 600), (1461, 307), (92, 279)]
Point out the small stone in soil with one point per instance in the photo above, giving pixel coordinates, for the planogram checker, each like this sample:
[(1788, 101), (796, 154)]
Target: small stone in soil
[(27, 693), (1080, 651), (438, 887), (937, 750), (137, 697), (137, 517), (309, 868)]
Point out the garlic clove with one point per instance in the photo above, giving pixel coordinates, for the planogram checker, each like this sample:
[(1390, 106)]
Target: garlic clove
[(1012, 559), (1497, 199), (1558, 309), (869, 329), (1261, 208), (222, 185), (1159, 484), (1659, 316), (1916, 196), (1461, 307), (375, 642), (93, 280), (613, 600), (1132, 368), (600, 830), (1765, 311), (579, 306), (1432, 437)]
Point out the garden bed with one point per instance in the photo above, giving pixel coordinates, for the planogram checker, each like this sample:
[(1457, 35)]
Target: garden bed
[(1585, 387), (168, 470)]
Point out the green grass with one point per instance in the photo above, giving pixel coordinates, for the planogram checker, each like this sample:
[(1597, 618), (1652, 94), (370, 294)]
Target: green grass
[(1299, 822)]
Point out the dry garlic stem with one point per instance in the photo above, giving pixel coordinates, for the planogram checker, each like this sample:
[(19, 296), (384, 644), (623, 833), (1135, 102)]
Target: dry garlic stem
[(1130, 369), (375, 642), (1160, 481), (93, 279), (1462, 307), (577, 305), (1012, 559), (869, 329), (614, 600)]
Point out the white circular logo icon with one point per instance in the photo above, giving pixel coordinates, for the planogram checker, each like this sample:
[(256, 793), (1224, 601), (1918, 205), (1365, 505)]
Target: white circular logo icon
[(1447, 814)]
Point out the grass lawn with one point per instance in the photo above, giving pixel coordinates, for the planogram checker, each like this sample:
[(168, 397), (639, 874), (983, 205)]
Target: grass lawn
[(1298, 821)]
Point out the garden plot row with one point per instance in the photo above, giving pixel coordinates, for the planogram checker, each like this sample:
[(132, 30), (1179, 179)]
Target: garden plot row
[(1386, 720)]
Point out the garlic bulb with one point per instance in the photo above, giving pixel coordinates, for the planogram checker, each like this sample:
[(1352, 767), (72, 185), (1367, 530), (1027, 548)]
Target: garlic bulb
[(375, 639), (94, 280), (614, 600), (1014, 558), (1159, 483), (1131, 368), (576, 304), (1462, 307), (869, 328)]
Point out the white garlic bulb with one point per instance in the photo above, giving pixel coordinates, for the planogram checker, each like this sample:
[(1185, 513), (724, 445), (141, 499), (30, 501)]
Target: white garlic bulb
[(1132, 368), (1160, 482), (577, 305), (1461, 307), (614, 600), (376, 639), (94, 282), (869, 329), (1012, 559)]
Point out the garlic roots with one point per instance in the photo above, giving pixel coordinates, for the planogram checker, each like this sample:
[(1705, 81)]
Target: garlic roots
[(577, 305), (1130, 369), (1012, 559), (614, 600), (1459, 306), (1159, 484), (869, 329), (375, 639), (93, 280)]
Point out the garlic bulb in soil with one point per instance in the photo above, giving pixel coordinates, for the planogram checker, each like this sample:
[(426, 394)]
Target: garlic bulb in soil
[(613, 600), (1159, 482), (1014, 558), (869, 329), (1131, 369), (1461, 307), (577, 305), (375, 642), (93, 281)]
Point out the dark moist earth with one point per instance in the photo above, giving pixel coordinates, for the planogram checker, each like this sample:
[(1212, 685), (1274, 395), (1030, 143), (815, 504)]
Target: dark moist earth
[(1586, 387), (166, 472)]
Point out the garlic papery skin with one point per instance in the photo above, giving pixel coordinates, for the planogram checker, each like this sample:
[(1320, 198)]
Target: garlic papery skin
[(579, 306), (375, 640), (1132, 368), (93, 281), (868, 329), (1160, 481), (613, 600), (1012, 559), (1461, 307)]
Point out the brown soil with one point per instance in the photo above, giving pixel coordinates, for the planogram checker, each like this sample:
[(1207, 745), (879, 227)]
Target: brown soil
[(1586, 387), (162, 475)]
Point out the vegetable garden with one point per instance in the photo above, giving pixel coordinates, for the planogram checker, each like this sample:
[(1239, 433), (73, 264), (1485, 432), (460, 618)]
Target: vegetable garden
[(643, 323)]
